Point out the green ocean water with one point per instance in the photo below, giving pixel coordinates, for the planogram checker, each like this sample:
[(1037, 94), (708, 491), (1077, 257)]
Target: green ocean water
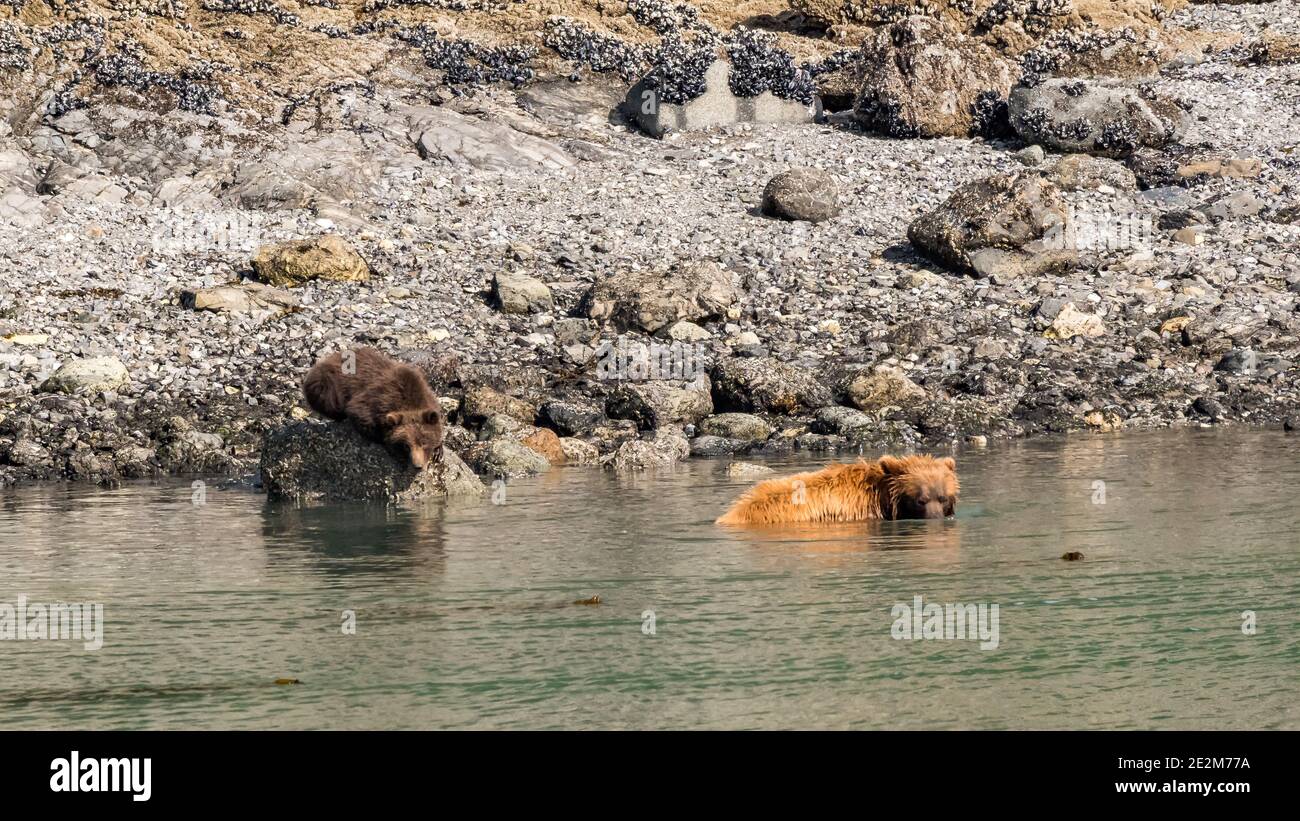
[(464, 613)]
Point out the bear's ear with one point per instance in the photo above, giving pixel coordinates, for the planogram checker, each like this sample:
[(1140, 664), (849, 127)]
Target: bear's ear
[(432, 416), (949, 463), (892, 466), (393, 419)]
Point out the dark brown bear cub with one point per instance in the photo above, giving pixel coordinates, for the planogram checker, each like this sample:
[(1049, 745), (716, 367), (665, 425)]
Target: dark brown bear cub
[(387, 401)]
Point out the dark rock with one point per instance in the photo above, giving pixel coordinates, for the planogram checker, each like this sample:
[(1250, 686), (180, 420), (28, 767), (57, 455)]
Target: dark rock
[(569, 418), (1211, 407), (1157, 168), (709, 446), (1182, 218), (313, 460), (1238, 361)]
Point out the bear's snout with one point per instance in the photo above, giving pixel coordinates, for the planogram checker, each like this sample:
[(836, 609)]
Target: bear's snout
[(924, 508)]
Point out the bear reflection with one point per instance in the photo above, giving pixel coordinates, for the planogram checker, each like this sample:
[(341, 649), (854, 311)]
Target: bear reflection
[(358, 538)]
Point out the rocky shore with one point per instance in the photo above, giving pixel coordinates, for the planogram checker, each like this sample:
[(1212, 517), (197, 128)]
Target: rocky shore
[(1066, 221)]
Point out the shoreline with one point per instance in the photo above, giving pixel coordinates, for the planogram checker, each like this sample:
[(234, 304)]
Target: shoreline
[(244, 476)]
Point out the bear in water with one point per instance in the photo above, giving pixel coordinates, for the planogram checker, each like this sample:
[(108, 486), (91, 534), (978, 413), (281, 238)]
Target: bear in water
[(387, 401), (910, 487)]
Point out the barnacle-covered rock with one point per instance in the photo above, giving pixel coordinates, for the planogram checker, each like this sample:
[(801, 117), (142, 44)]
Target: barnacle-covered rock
[(995, 226), (924, 78), (1102, 117)]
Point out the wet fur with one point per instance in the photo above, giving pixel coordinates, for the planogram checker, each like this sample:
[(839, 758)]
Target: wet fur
[(387, 402), (891, 488)]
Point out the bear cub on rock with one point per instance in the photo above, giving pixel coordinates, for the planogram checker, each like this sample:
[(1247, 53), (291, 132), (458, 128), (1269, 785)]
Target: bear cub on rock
[(387, 402), (910, 487)]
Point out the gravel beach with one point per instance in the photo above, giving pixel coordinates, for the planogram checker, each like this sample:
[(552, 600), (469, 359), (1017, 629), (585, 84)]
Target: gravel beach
[(513, 234)]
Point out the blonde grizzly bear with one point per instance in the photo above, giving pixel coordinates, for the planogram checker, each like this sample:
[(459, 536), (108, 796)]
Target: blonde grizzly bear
[(910, 487)]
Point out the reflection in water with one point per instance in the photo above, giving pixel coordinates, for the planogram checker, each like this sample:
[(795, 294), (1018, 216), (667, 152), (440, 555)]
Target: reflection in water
[(352, 540), (465, 613), (936, 542)]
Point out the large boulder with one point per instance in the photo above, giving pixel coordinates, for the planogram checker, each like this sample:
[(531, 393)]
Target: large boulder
[(545, 442), (506, 457), (766, 385), (94, 374), (449, 137), (518, 293), (240, 298), (711, 447), (324, 257), (330, 460), (1071, 322), (745, 427), (569, 417), (26, 453), (807, 194), (1102, 117), (1098, 49), (1084, 172), (842, 421), (651, 300), (657, 403), (482, 402), (924, 78), (578, 452), (881, 387), (996, 225), (664, 449)]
